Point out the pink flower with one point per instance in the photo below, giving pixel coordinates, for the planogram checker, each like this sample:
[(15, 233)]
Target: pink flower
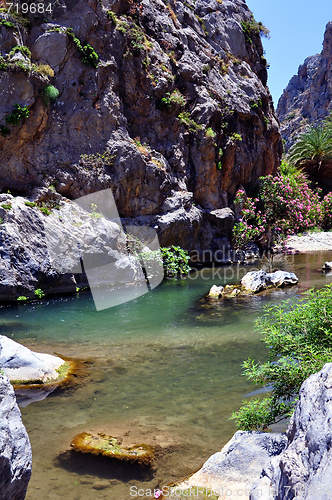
[(158, 493)]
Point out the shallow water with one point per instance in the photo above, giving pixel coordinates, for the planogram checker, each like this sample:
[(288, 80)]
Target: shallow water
[(163, 369)]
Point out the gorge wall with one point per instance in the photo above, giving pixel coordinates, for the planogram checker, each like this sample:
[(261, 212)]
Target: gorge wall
[(308, 96), (175, 117)]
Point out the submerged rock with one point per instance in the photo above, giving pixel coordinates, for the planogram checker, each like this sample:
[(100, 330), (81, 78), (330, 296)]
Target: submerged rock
[(238, 465), (15, 448), (108, 446), (21, 365)]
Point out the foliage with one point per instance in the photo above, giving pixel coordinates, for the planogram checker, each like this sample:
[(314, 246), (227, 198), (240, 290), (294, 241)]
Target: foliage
[(39, 293), (252, 27), (112, 17), (236, 137), (299, 338), (284, 205), (97, 160), (175, 98), (19, 114), (50, 94), (6, 206), (7, 24), (22, 49), (313, 147), (186, 120), (175, 261), (88, 54), (210, 133), (30, 204), (22, 298), (43, 69)]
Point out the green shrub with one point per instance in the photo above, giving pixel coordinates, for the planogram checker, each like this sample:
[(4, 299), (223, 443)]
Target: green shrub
[(30, 204), (22, 49), (210, 133), (112, 17), (186, 120), (6, 206), (175, 98), (88, 54), (19, 114), (39, 293), (22, 298), (252, 27), (7, 24), (299, 339), (50, 94), (175, 261)]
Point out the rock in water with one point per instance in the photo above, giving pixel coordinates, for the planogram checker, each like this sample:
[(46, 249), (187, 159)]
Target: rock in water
[(108, 446), (282, 278), (304, 469), (256, 281), (327, 266), (15, 449), (216, 292), (21, 364)]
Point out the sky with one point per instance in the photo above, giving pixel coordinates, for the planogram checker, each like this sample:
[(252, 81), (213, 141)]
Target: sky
[(297, 31)]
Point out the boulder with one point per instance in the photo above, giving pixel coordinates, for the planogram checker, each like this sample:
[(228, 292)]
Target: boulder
[(216, 292), (15, 448), (232, 472), (304, 469), (327, 266), (256, 281), (21, 364)]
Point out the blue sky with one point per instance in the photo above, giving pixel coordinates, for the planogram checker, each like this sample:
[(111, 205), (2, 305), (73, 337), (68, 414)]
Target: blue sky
[(297, 31)]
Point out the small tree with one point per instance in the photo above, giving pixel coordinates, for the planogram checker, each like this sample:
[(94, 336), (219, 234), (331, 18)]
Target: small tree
[(312, 148), (299, 336)]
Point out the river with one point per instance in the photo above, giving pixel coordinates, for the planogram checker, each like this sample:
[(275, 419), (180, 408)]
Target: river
[(164, 369)]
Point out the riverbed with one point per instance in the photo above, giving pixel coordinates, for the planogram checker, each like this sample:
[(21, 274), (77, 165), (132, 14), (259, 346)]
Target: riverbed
[(164, 369)]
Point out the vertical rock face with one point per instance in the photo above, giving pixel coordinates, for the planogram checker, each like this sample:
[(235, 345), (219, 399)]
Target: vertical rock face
[(179, 101), (304, 468), (15, 449), (308, 96)]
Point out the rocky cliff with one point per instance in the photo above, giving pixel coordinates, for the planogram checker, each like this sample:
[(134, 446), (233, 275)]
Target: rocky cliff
[(170, 110), (308, 96), (15, 449)]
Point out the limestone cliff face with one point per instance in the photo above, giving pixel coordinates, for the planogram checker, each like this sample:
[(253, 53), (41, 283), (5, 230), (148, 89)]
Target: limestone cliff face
[(308, 96), (178, 102)]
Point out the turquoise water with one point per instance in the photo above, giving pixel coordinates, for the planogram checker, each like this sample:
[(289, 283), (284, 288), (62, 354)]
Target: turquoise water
[(163, 369)]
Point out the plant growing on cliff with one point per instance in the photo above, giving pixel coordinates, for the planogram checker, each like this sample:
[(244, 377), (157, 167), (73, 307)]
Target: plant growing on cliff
[(88, 54), (175, 98), (252, 27), (39, 293), (299, 338), (19, 114), (25, 51), (186, 120), (50, 94), (175, 261)]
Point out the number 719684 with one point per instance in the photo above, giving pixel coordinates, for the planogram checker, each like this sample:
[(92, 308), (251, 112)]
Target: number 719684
[(30, 8)]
